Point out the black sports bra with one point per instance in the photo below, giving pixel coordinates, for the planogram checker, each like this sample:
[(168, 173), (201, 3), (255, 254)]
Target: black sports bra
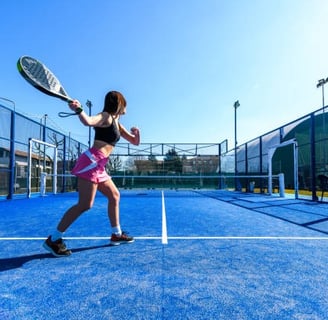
[(110, 134)]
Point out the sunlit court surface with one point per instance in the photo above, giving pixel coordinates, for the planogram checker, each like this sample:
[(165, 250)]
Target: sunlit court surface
[(197, 255)]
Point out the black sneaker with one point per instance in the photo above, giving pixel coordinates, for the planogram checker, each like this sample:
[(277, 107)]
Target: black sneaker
[(57, 248), (123, 238)]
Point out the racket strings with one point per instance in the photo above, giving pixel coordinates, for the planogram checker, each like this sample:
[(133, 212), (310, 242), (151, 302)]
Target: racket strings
[(38, 73)]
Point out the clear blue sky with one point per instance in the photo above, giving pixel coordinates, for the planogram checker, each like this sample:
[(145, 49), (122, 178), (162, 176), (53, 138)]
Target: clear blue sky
[(180, 63)]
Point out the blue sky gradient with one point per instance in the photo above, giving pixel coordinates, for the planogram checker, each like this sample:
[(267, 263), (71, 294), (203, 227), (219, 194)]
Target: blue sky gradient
[(180, 64)]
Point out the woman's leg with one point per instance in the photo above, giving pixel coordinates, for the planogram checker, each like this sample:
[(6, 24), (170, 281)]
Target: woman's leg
[(110, 191), (55, 243), (87, 192)]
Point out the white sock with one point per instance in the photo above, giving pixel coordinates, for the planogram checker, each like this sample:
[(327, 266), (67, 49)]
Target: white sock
[(56, 235), (117, 230)]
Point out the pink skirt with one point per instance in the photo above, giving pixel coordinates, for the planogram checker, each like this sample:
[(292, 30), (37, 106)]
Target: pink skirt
[(91, 166)]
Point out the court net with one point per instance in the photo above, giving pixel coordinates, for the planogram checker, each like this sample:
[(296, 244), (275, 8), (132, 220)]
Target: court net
[(59, 183)]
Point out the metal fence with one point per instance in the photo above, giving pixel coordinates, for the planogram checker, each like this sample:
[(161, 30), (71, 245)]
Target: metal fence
[(16, 130), (297, 149)]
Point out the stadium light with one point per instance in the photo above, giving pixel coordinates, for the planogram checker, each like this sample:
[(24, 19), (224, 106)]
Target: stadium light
[(321, 83), (236, 105)]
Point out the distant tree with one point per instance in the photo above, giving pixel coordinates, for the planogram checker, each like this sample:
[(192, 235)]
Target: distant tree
[(172, 162), (129, 165), (114, 164), (152, 158)]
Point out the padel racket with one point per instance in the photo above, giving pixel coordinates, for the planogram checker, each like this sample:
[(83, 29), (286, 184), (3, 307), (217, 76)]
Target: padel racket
[(39, 76)]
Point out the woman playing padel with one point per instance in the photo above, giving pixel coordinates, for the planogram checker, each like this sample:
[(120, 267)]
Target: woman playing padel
[(91, 173)]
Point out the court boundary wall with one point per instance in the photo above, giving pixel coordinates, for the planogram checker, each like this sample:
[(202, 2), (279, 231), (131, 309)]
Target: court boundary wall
[(250, 158)]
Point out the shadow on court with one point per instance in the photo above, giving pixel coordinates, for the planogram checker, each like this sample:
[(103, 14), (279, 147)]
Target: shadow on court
[(17, 262)]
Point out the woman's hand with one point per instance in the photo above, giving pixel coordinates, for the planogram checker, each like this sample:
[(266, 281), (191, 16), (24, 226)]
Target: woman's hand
[(134, 130), (76, 106), (136, 133)]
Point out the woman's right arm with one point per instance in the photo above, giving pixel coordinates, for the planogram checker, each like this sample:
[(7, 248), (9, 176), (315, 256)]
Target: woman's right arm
[(90, 121)]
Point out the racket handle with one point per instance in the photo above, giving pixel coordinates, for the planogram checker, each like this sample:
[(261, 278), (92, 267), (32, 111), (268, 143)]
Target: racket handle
[(75, 106)]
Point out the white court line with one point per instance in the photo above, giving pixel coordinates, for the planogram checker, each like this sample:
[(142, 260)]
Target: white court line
[(164, 226), (172, 238), (248, 238), (71, 238)]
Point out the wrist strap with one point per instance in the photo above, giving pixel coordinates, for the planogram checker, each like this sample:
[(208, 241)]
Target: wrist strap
[(78, 110)]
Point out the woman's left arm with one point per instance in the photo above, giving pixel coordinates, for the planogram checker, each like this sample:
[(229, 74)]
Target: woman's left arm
[(133, 136)]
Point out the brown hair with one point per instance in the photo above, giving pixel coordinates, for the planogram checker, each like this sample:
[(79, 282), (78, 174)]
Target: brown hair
[(114, 102)]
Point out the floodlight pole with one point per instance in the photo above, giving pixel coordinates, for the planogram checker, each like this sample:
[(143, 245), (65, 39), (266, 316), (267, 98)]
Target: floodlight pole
[(236, 105), (321, 83), (89, 105)]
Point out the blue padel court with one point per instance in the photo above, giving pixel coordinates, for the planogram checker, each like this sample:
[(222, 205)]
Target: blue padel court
[(197, 255)]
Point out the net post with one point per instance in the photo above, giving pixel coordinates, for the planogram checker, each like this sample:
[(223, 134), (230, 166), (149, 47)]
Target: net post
[(43, 186), (54, 180), (29, 172), (270, 155), (29, 168), (281, 185)]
